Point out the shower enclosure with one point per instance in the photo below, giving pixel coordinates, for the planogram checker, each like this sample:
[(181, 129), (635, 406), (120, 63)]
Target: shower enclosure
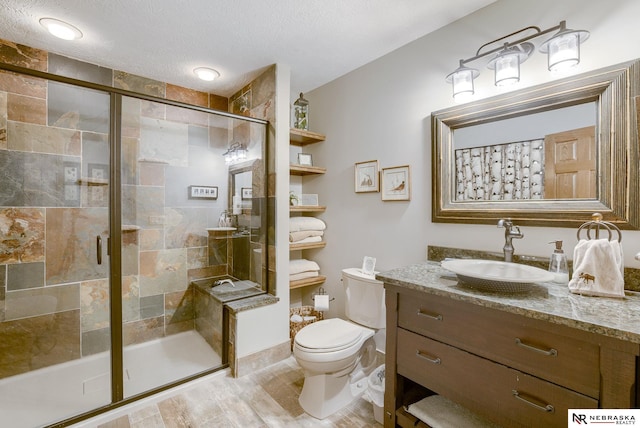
[(107, 202)]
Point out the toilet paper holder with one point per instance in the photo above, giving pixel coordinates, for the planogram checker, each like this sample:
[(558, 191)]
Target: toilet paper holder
[(321, 292)]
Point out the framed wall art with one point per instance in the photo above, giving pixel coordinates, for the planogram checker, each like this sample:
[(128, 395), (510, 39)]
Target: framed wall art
[(367, 177), (246, 193), (305, 159), (396, 183), (203, 192)]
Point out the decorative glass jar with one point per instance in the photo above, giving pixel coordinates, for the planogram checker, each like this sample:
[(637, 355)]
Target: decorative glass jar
[(301, 113)]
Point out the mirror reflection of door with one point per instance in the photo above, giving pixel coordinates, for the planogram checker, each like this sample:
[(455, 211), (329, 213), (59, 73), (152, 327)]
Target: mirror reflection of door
[(570, 164)]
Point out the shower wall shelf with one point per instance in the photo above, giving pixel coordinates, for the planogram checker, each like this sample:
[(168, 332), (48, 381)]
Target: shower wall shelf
[(93, 181)]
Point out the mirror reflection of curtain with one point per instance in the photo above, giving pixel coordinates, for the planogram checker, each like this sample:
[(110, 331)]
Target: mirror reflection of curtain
[(510, 171)]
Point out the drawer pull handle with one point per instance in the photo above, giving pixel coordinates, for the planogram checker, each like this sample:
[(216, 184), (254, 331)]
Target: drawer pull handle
[(550, 352), (548, 408), (430, 316), (428, 358)]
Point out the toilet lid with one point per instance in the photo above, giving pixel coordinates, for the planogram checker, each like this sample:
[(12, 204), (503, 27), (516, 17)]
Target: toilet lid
[(329, 335)]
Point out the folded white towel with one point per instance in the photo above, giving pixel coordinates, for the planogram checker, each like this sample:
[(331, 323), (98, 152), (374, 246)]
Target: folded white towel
[(297, 236), (303, 275), (297, 224), (309, 240), (439, 412), (302, 265), (598, 268)]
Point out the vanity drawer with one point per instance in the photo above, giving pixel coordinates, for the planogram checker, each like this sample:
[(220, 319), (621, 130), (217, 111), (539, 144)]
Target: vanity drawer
[(526, 344), (502, 394)]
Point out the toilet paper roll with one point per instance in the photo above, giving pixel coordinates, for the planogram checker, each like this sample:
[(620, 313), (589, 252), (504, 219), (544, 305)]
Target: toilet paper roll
[(321, 302)]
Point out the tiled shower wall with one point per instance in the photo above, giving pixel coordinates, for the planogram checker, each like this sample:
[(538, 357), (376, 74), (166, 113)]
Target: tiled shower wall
[(52, 310)]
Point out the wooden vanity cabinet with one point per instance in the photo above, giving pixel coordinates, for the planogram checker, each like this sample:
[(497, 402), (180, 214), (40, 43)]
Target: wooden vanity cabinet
[(515, 370)]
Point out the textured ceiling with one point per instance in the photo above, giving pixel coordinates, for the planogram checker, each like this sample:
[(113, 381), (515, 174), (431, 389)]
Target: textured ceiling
[(166, 39)]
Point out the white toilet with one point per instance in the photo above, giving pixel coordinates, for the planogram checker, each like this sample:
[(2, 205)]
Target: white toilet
[(338, 355)]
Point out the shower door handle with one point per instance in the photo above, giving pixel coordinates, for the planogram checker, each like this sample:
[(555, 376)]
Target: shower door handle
[(99, 249)]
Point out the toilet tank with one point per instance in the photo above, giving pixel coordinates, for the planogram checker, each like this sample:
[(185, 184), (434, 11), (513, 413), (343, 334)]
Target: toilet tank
[(365, 298)]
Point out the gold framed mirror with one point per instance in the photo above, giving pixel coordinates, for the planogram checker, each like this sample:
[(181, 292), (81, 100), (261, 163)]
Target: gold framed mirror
[(611, 93)]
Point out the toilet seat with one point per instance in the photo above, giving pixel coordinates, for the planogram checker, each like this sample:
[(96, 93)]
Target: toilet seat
[(330, 335)]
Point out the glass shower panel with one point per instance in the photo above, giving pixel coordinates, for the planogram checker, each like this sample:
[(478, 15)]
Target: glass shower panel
[(54, 210), (174, 187)]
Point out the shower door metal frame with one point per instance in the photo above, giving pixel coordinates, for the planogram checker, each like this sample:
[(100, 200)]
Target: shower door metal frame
[(114, 244)]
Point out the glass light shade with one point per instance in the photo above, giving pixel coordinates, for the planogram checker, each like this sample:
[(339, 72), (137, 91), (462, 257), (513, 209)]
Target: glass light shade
[(507, 70), (563, 49), (61, 29), (507, 63), (462, 82), (228, 157), (564, 52)]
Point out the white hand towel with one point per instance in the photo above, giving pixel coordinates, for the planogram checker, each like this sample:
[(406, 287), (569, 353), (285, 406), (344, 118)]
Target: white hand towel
[(297, 224), (302, 265), (598, 268), (303, 275), (296, 236), (309, 240)]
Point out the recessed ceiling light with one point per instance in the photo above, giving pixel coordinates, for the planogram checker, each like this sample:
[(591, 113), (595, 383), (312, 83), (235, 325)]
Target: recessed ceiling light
[(61, 29), (205, 73)]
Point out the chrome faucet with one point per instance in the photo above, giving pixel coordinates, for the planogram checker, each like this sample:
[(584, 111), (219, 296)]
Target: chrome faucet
[(222, 281), (510, 232)]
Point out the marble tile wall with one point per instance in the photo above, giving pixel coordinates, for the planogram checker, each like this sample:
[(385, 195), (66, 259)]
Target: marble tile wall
[(54, 298)]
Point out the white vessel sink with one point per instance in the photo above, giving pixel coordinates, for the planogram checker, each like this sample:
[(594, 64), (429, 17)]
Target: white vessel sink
[(490, 275)]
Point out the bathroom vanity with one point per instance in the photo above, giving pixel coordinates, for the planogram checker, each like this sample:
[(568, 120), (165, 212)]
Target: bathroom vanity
[(519, 359)]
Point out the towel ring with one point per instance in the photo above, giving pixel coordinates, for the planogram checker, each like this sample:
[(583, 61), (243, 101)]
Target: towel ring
[(596, 225)]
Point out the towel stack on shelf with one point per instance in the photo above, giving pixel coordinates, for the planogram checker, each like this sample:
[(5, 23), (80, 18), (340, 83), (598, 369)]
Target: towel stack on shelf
[(302, 269), (303, 230)]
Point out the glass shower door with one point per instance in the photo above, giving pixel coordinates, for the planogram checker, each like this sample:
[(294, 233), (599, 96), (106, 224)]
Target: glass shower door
[(170, 330), (54, 223)]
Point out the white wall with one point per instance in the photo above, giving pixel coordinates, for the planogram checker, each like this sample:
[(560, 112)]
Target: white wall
[(382, 111)]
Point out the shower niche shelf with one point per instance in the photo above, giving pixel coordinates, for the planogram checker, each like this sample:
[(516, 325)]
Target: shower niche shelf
[(89, 181)]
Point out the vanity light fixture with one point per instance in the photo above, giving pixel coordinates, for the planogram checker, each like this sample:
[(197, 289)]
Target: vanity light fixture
[(205, 73), (61, 29), (563, 50), (237, 152)]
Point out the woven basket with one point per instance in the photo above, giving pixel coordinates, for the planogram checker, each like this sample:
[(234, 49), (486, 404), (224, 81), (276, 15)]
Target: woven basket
[(303, 311)]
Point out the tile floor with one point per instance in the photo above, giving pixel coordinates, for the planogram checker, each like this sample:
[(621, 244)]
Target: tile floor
[(266, 398)]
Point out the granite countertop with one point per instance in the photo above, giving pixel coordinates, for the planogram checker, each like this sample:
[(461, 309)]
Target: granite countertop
[(616, 318)]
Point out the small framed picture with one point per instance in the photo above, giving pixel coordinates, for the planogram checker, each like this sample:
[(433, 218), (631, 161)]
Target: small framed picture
[(367, 177), (305, 159), (368, 265), (246, 192), (203, 192), (396, 183), (310, 199)]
